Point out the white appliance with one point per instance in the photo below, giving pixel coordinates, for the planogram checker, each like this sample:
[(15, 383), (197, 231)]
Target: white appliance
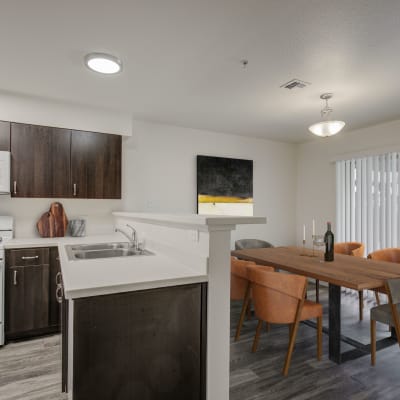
[(6, 233), (5, 168)]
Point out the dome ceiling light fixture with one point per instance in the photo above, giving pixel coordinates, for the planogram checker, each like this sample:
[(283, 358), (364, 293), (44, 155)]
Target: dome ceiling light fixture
[(327, 127), (103, 63)]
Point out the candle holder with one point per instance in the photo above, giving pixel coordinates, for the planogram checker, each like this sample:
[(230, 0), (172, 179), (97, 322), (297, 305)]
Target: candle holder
[(313, 245), (304, 248), (319, 242)]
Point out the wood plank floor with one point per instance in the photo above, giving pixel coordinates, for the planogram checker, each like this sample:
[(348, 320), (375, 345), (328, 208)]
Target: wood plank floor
[(31, 370), (257, 376)]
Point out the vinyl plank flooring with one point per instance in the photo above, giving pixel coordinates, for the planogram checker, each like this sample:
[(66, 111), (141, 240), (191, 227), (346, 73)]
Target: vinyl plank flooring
[(309, 379), (31, 370)]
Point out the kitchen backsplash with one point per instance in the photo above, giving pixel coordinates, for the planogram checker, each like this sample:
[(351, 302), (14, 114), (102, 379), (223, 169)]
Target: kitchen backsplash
[(26, 212)]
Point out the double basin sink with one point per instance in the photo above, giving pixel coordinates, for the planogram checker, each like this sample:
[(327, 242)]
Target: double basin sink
[(103, 250)]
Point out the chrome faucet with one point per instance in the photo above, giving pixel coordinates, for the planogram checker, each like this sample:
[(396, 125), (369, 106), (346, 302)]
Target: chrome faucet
[(132, 238)]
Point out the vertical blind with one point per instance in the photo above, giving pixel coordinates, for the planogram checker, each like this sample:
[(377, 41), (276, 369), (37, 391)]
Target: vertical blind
[(367, 201)]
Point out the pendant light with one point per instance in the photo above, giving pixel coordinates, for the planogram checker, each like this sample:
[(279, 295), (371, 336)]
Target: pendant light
[(327, 127)]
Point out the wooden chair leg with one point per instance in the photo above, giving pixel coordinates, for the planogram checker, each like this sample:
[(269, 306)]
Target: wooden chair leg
[(257, 337), (268, 327), (373, 342), (319, 338), (361, 304), (290, 326), (248, 310), (242, 313), (289, 353), (317, 290), (378, 300)]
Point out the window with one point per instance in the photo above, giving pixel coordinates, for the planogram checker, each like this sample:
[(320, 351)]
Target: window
[(367, 201)]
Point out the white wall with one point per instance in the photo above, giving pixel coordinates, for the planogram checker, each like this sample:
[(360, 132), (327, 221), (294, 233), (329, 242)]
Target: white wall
[(38, 111), (160, 166), (159, 169), (32, 110), (316, 185)]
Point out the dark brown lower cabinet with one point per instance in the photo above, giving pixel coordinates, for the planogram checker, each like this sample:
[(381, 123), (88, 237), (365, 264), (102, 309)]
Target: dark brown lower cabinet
[(27, 300), (31, 307), (147, 345)]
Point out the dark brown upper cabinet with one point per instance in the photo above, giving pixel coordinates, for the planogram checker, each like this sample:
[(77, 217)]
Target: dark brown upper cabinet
[(4, 136), (53, 162), (40, 161), (96, 165)]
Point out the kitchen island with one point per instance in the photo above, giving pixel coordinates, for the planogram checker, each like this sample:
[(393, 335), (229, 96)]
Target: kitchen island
[(176, 299)]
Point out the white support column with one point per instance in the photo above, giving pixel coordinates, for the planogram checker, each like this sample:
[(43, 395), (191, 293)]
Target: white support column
[(218, 315)]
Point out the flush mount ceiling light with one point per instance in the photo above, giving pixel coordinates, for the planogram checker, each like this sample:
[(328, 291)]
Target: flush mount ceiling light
[(103, 63), (326, 127)]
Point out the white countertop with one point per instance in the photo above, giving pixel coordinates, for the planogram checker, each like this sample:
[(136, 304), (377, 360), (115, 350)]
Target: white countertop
[(192, 220), (84, 278), (95, 277)]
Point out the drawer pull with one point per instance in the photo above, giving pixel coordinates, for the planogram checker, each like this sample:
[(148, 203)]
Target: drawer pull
[(15, 187), (58, 279), (15, 282), (74, 194), (30, 257)]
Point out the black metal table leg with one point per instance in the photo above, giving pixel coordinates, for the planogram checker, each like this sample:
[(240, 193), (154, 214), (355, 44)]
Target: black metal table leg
[(334, 323), (335, 337), (393, 333)]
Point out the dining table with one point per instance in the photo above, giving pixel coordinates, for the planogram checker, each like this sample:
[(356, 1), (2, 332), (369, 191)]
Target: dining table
[(345, 271)]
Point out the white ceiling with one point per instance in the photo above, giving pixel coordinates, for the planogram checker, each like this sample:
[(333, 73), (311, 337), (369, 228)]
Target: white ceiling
[(182, 59)]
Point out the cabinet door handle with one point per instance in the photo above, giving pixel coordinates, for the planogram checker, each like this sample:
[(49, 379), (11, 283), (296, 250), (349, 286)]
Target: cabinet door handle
[(58, 278), (15, 282), (30, 257), (74, 189), (59, 294), (15, 187)]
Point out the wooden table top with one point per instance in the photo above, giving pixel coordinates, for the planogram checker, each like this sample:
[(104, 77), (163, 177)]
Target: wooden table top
[(348, 271)]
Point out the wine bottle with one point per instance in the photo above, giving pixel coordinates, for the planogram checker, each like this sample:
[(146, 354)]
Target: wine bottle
[(329, 244)]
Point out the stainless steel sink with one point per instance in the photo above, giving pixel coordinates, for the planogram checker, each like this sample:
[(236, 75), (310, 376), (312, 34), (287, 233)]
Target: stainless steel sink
[(101, 246), (103, 250)]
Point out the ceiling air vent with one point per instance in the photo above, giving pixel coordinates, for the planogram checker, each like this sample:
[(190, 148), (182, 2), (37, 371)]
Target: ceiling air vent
[(295, 83)]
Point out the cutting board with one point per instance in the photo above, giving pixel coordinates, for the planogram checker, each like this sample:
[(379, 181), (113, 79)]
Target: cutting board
[(60, 219), (45, 225), (53, 223)]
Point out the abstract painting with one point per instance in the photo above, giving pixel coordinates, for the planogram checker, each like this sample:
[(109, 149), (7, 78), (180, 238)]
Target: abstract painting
[(224, 186)]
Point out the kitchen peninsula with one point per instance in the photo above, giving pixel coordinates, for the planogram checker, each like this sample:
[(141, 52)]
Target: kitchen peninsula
[(153, 325)]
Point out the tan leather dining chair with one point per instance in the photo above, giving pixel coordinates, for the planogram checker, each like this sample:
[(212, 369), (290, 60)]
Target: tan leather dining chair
[(390, 254), (386, 314), (240, 287), (280, 299), (350, 248)]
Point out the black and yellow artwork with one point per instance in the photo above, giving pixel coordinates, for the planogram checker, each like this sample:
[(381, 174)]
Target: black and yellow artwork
[(224, 186)]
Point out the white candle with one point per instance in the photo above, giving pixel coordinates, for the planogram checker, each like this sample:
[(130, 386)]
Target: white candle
[(313, 227), (304, 232)]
